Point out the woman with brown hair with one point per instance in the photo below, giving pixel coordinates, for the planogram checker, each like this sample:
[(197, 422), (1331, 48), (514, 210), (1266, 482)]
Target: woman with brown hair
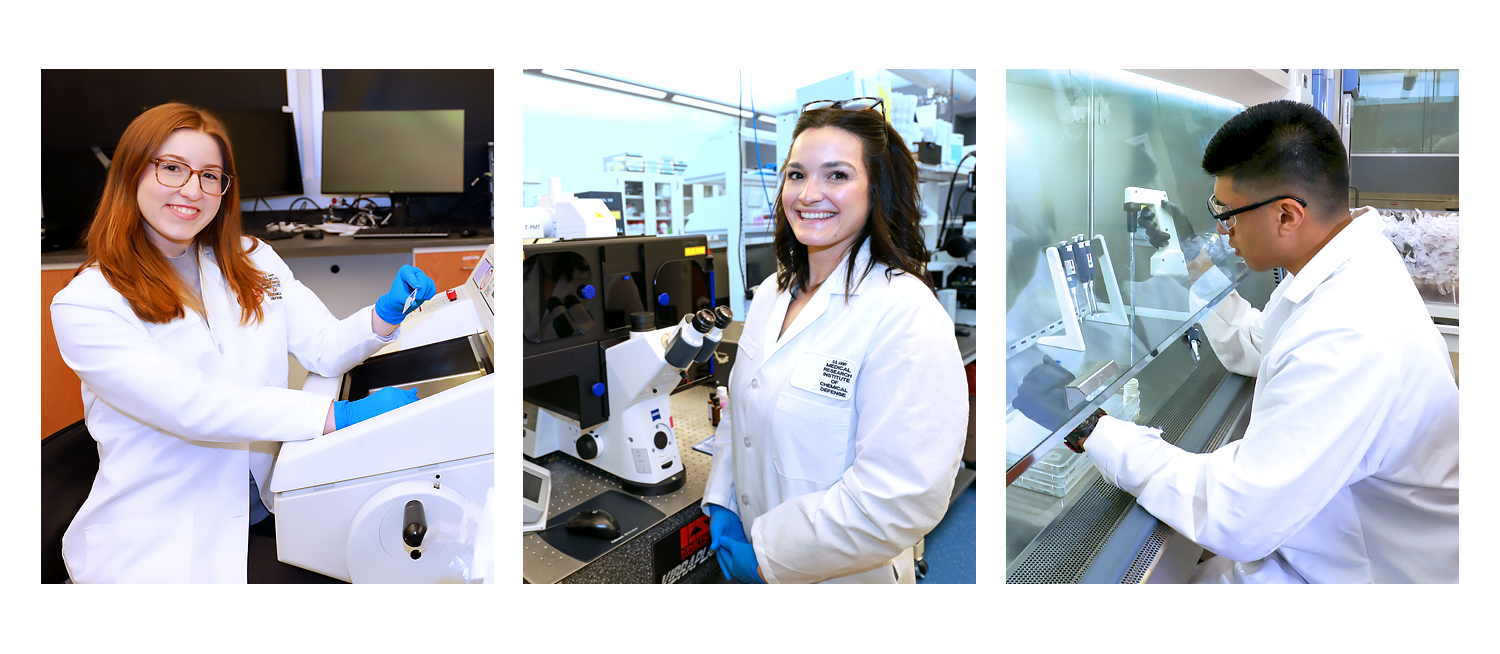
[(179, 328), (848, 399)]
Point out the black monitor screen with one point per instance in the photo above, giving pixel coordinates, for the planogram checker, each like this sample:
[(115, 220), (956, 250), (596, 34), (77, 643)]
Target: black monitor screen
[(531, 487), (393, 151), (265, 152), (760, 262)]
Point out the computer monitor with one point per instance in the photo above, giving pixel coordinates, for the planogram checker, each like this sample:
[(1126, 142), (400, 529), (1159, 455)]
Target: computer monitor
[(265, 152), (760, 262), (393, 151)]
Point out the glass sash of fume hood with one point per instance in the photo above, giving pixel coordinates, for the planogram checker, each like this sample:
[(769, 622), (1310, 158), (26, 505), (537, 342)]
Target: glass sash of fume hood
[(1094, 154)]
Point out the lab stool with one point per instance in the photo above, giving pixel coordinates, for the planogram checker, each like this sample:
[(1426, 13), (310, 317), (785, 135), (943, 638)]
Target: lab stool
[(70, 460)]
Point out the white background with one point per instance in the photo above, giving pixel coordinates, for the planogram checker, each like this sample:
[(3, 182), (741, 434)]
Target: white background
[(990, 37)]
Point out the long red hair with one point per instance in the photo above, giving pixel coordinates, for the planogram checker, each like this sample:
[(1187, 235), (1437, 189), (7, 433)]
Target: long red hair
[(117, 239)]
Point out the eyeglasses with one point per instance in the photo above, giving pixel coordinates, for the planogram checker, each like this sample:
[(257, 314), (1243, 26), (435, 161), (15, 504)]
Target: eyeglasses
[(852, 104), (1229, 217), (176, 175)]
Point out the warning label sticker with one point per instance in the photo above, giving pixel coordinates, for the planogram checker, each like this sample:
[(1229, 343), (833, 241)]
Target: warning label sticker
[(825, 375)]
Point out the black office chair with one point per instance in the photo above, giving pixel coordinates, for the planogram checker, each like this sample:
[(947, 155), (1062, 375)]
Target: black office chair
[(70, 460)]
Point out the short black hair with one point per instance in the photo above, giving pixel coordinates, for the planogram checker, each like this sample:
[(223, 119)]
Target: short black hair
[(1283, 146)]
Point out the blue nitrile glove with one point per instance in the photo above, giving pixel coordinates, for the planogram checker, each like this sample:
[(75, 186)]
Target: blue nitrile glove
[(723, 524), (374, 404), (410, 278), (742, 564)]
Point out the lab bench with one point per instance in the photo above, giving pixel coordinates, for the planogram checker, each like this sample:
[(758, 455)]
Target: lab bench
[(327, 246), (637, 557), (630, 560)]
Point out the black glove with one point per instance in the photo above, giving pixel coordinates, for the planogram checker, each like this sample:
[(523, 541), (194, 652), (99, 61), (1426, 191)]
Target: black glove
[(1043, 395), (1178, 218), (1159, 237)]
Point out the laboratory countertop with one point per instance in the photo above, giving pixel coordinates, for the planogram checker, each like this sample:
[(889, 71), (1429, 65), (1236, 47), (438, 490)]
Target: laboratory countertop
[(968, 346), (328, 246)]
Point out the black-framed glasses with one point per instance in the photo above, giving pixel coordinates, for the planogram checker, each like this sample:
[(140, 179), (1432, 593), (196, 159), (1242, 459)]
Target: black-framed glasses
[(176, 175), (852, 104), (1228, 217)]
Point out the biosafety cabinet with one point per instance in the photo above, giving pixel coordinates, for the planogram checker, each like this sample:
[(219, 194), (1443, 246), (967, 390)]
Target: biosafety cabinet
[(1111, 260)]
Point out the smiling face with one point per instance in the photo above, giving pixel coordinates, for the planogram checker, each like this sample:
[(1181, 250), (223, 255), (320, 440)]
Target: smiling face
[(826, 195), (175, 215)]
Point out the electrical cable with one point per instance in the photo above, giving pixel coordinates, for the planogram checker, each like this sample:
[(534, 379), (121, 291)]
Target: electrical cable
[(315, 207), (257, 201), (943, 226), (739, 135)]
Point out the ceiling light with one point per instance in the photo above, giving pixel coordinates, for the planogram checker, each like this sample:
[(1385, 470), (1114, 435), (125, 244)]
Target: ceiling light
[(711, 106), (605, 82)]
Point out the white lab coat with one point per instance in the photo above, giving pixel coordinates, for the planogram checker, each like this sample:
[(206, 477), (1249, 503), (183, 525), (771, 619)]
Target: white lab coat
[(1348, 471), (844, 435), (182, 410)]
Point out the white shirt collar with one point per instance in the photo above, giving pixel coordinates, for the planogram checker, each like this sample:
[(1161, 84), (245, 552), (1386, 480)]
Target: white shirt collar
[(1355, 237)]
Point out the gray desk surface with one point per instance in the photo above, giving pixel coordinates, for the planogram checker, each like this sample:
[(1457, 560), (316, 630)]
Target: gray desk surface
[(574, 483), (327, 246)]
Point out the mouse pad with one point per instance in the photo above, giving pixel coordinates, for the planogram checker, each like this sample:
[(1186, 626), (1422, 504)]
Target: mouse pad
[(634, 515)]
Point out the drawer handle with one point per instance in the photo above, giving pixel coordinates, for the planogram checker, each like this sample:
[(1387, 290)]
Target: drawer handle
[(466, 267)]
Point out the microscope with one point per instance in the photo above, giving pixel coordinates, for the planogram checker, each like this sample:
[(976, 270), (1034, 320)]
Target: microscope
[(611, 327), (638, 444)]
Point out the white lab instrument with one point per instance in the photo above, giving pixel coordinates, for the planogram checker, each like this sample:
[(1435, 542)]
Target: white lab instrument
[(1168, 260), (1348, 471), (386, 500), (638, 443), (561, 215), (536, 493)]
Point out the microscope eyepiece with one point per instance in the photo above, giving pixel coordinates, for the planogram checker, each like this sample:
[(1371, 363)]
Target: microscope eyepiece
[(703, 321), (722, 317)]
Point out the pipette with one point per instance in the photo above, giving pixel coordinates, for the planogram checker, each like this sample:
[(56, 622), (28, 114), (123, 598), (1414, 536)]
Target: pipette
[(1070, 270), (1086, 269)]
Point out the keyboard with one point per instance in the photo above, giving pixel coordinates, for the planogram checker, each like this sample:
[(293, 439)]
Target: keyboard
[(402, 232)]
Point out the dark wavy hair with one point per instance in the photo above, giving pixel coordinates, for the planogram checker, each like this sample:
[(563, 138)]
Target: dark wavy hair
[(893, 229)]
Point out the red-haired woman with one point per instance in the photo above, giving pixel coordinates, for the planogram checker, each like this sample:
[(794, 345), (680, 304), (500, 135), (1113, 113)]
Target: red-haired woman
[(179, 328)]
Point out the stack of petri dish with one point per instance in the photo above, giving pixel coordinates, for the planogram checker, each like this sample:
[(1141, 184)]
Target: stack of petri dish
[(1056, 473)]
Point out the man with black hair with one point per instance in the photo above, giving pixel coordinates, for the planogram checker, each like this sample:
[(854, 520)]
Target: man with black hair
[(1348, 471)]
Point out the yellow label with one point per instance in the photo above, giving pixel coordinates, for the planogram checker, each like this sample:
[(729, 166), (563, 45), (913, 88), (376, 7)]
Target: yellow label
[(599, 215), (694, 251)]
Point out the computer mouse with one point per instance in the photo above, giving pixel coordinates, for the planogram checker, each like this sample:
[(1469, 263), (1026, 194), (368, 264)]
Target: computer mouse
[(594, 524), (313, 233), (468, 232)]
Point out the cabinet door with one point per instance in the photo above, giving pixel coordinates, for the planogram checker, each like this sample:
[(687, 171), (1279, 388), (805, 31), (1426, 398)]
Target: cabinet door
[(62, 399), (447, 269)]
